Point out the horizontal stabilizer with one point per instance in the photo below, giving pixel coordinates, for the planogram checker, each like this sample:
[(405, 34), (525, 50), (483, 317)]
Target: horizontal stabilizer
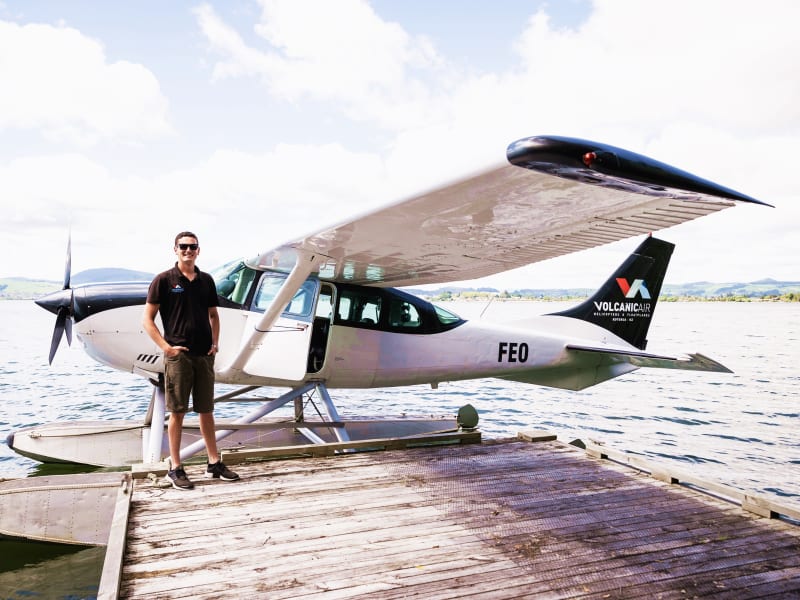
[(691, 362)]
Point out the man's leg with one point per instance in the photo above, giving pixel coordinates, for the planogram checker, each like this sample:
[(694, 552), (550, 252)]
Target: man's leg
[(203, 400), (174, 433), (209, 436), (216, 469), (177, 382)]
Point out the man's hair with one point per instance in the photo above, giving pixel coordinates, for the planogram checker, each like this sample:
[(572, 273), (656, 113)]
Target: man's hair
[(185, 234)]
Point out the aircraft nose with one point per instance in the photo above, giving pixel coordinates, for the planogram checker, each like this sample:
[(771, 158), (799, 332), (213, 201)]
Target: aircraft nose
[(52, 302)]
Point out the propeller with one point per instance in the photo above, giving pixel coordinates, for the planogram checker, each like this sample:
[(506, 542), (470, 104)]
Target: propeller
[(60, 303)]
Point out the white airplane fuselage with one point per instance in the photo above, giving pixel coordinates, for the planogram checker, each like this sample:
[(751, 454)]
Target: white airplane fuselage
[(355, 355), (275, 332)]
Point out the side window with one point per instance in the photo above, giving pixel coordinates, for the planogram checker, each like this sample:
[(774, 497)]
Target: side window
[(345, 307), (403, 315), (299, 306), (267, 290), (303, 300), (359, 307)]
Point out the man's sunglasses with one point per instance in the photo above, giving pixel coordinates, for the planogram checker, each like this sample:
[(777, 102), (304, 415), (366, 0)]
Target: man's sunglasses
[(188, 246)]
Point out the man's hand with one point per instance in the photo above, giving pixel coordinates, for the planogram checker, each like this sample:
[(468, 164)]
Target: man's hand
[(171, 351)]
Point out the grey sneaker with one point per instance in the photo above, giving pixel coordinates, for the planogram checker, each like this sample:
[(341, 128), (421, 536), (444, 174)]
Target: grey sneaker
[(177, 477), (219, 471)]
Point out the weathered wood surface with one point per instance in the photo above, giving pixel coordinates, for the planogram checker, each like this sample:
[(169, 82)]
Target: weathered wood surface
[(507, 519)]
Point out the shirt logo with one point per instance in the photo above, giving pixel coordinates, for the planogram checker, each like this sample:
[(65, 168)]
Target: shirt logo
[(177, 289)]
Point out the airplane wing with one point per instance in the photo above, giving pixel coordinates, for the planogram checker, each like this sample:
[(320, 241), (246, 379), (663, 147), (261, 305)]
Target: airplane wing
[(554, 196)]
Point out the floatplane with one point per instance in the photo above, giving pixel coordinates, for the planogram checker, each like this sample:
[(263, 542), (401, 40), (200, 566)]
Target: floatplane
[(326, 311)]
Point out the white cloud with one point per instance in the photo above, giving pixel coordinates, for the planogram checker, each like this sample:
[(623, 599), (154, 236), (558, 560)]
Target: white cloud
[(709, 87), (240, 204), (59, 82), (346, 54)]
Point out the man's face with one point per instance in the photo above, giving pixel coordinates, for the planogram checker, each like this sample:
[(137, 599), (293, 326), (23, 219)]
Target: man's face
[(187, 249)]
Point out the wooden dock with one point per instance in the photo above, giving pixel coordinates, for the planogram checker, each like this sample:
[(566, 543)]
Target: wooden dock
[(499, 519)]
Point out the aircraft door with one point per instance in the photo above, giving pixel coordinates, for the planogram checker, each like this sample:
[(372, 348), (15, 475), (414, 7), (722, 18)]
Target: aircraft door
[(284, 351), (321, 329)]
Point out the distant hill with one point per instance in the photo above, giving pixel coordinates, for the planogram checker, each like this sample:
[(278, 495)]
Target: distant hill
[(110, 275), (754, 289), (702, 290), (22, 288)]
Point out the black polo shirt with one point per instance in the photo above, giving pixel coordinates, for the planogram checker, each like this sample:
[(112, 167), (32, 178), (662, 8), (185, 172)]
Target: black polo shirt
[(183, 306)]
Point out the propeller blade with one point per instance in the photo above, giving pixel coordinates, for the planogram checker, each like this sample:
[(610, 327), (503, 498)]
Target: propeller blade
[(68, 331), (61, 304), (68, 266), (58, 332)]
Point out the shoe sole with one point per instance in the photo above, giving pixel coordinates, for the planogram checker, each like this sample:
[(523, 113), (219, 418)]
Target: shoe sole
[(176, 486), (212, 476)]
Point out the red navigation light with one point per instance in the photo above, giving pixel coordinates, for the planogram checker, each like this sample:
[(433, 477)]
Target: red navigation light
[(589, 158)]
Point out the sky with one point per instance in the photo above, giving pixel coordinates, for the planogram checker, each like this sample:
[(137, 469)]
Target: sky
[(255, 122)]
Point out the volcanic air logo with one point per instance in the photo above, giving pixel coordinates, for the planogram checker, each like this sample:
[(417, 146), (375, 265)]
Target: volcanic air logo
[(627, 311), (631, 289)]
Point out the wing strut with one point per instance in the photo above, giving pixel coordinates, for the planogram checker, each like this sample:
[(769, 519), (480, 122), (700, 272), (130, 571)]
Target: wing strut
[(294, 394)]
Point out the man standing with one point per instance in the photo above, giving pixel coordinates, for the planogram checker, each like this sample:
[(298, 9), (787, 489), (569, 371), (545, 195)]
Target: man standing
[(187, 300)]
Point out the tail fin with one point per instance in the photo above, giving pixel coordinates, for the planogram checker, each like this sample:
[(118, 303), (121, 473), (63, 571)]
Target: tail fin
[(624, 304)]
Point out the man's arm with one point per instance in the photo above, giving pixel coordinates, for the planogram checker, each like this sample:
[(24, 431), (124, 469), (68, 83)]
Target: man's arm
[(213, 318), (149, 324)]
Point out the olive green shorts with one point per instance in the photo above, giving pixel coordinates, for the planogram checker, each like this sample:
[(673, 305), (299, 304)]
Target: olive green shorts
[(185, 374)]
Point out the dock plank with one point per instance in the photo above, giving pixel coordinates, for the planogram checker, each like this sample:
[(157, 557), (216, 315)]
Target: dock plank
[(503, 519)]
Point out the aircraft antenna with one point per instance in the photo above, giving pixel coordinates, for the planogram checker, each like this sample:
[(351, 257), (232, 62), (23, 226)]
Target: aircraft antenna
[(485, 308)]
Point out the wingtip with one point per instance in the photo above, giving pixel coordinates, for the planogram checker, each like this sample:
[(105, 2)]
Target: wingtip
[(611, 166)]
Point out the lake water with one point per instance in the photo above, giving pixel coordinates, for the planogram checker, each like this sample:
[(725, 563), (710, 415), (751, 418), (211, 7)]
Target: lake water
[(738, 429)]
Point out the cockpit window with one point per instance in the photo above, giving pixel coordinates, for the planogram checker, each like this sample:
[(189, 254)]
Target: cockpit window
[(302, 303), (267, 290)]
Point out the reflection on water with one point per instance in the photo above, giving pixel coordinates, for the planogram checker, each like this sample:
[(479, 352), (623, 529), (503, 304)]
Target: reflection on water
[(738, 429), (49, 570)]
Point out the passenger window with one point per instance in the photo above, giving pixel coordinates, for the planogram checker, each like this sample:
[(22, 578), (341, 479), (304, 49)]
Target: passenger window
[(403, 315), (358, 306), (344, 308), (325, 303)]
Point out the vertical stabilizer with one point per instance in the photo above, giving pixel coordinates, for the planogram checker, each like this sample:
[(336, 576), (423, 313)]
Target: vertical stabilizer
[(624, 304)]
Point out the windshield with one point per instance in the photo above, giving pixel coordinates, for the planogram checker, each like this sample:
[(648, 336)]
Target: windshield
[(234, 280)]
